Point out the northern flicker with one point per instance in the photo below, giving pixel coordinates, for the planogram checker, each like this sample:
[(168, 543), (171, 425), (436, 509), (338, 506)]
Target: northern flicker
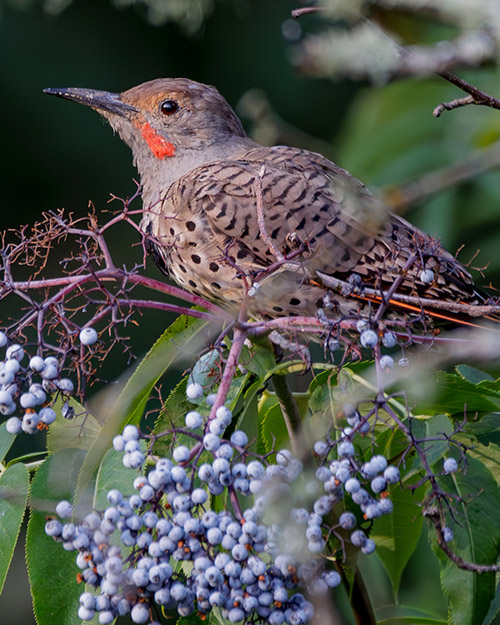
[(223, 213)]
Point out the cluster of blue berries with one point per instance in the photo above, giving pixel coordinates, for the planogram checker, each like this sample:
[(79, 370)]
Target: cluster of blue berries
[(30, 389), (369, 338), (165, 546), (133, 551)]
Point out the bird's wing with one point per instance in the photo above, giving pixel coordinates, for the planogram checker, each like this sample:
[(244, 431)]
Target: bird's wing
[(307, 203)]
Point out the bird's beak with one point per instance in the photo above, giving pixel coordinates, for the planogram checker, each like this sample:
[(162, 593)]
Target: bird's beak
[(101, 101)]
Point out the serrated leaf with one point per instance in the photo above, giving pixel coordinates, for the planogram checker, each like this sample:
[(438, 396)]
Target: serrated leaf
[(13, 497), (183, 338), (457, 395), (6, 441), (52, 570), (476, 539), (494, 607), (273, 431)]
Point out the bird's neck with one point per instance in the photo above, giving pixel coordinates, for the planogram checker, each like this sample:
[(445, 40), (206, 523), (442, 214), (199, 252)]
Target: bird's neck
[(158, 174)]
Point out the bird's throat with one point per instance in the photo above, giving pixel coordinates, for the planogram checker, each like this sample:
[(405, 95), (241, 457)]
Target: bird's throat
[(159, 146)]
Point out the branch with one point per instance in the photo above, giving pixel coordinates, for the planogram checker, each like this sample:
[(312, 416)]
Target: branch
[(475, 96), (472, 310), (229, 370)]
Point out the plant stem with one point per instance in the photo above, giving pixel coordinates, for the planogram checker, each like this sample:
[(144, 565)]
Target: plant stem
[(361, 603), (289, 408)]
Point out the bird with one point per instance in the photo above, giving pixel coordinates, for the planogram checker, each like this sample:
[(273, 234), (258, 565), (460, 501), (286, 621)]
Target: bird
[(282, 230)]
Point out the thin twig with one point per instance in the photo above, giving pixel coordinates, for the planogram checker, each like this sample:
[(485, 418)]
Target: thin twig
[(454, 104), (229, 370), (476, 96), (472, 310), (306, 10)]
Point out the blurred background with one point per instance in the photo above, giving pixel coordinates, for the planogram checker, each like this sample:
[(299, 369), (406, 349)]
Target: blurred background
[(267, 65)]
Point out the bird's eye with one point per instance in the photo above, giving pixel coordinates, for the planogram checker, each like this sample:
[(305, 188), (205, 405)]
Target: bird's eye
[(169, 107)]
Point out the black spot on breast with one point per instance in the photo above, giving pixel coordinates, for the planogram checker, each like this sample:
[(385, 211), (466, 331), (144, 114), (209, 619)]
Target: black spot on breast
[(295, 301), (216, 285), (319, 303), (196, 259), (242, 254), (214, 267), (172, 231), (316, 217), (192, 283), (182, 268), (278, 309), (190, 225), (231, 224)]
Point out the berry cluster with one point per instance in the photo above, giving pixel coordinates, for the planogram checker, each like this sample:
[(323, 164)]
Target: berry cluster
[(32, 388), (251, 562)]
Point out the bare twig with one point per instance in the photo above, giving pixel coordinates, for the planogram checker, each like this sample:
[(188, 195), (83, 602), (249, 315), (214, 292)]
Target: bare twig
[(475, 95), (472, 310), (229, 370), (306, 10)]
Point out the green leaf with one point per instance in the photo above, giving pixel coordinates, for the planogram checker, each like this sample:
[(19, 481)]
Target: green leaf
[(52, 570), (436, 427), (13, 497), (248, 419), (78, 433), (6, 441), (486, 430), (172, 414), (273, 432), (259, 360), (456, 394), (112, 474), (494, 607), (204, 372), (476, 539), (396, 535), (412, 620), (471, 374), (181, 340)]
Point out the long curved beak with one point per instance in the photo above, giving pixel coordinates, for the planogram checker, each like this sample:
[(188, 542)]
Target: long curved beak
[(101, 101)]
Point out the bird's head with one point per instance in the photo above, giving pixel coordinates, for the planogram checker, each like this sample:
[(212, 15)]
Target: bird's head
[(163, 118)]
